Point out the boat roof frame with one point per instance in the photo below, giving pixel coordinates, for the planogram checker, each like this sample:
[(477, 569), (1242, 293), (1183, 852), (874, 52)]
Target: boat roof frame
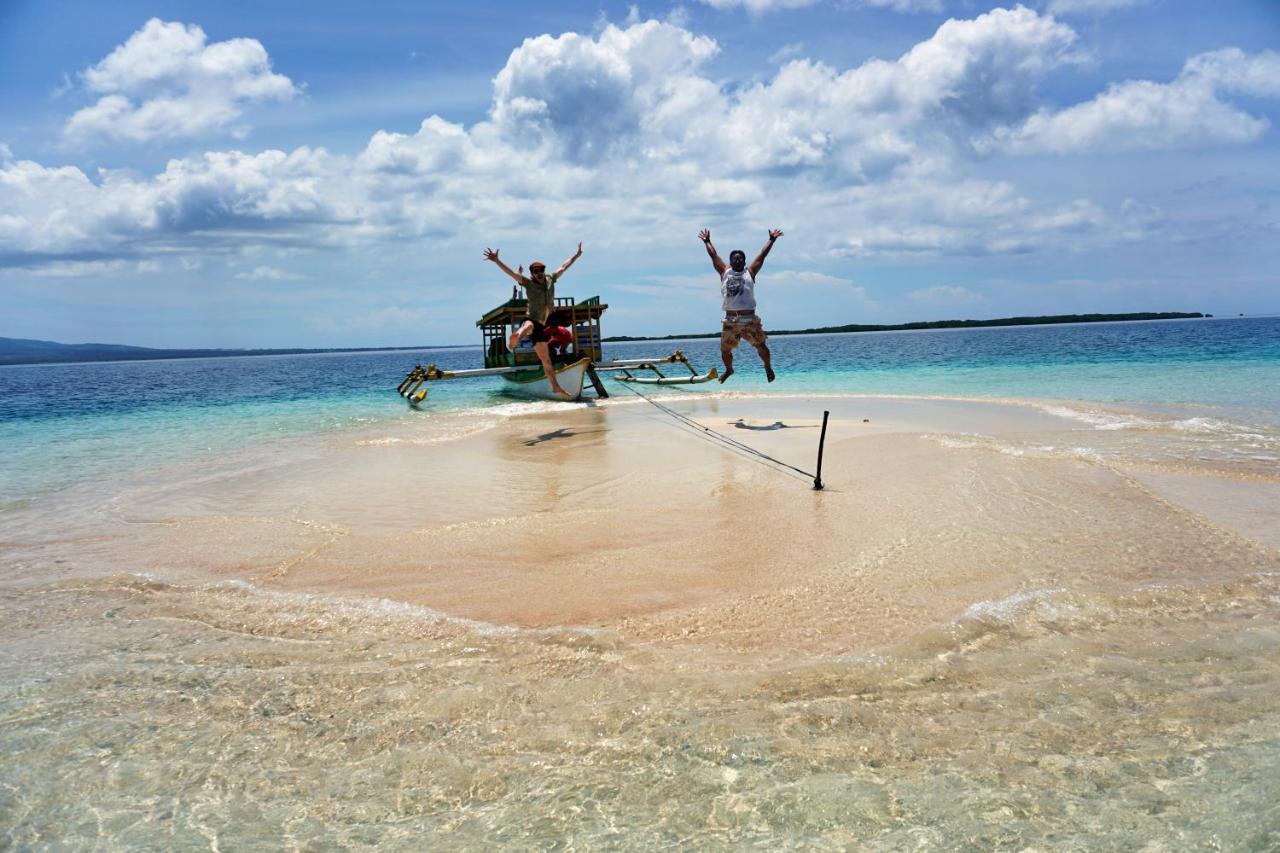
[(516, 309)]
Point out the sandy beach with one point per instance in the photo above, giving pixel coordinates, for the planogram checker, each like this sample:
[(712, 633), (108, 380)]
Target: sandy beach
[(617, 516), (304, 548), (487, 613)]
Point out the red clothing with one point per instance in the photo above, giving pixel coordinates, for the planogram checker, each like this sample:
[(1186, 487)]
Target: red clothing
[(559, 336)]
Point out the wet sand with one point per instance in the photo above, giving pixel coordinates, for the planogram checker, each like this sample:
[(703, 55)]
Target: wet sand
[(620, 517), (998, 626)]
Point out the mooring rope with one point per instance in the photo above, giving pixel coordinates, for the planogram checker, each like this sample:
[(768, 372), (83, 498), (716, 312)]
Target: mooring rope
[(760, 455)]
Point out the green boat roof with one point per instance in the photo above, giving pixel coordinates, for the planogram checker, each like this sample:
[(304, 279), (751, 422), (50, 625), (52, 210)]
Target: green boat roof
[(515, 308)]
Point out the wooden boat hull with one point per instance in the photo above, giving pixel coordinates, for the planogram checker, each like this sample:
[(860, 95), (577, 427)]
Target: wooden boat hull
[(535, 384), (529, 380)]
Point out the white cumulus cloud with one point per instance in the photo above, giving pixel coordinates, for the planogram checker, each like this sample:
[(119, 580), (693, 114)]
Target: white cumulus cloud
[(613, 136), (1092, 7), (1189, 111), (906, 5), (167, 81), (268, 273), (872, 119), (944, 294), (591, 97), (759, 6), (390, 317), (220, 198)]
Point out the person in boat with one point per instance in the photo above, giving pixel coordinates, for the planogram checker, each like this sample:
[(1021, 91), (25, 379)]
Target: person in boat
[(559, 336), (738, 287), (540, 290)]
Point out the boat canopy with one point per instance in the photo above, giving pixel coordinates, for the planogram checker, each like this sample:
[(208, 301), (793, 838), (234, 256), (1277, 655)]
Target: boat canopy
[(582, 318)]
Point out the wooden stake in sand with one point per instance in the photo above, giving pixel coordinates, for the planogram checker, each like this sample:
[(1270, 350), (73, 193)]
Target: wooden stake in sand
[(817, 477)]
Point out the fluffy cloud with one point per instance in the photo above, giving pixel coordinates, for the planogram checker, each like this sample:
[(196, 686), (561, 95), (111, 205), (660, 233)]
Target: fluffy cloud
[(638, 96), (1092, 7), (944, 294), (95, 269), (1140, 114), (592, 97), (810, 280), (220, 198), (616, 136), (166, 81), (759, 6), (266, 273), (870, 120), (906, 5), (390, 317), (968, 218)]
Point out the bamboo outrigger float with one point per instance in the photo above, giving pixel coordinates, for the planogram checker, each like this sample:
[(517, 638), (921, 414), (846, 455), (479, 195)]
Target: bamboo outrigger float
[(581, 361)]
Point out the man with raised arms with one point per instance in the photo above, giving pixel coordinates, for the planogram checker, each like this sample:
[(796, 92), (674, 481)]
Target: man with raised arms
[(738, 287), (540, 290)]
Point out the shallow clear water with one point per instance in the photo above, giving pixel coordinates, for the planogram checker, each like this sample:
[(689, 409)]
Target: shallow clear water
[(62, 423), (218, 717), (1097, 668)]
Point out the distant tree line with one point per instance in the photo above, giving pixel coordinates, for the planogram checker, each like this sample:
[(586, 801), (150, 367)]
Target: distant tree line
[(27, 351), (949, 324)]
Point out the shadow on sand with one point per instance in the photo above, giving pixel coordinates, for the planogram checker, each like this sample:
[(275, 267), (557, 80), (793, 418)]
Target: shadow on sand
[(740, 424)]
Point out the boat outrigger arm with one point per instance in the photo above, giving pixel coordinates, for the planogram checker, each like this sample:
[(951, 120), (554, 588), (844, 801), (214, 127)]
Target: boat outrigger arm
[(626, 365), (578, 361), (413, 388)]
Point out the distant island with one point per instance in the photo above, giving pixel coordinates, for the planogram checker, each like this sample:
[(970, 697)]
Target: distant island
[(947, 324), (27, 351)]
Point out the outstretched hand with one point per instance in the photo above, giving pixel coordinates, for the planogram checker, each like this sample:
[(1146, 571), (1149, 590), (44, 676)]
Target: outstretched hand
[(491, 255), (579, 247), (705, 235), (774, 234)]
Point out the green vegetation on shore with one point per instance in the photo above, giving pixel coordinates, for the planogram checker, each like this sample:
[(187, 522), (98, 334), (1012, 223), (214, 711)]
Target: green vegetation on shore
[(26, 351), (948, 324)]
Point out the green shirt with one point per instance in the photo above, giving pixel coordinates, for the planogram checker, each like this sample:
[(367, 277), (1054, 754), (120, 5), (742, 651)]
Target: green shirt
[(541, 296)]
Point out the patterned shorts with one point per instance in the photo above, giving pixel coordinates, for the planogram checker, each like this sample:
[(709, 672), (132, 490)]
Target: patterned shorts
[(746, 327)]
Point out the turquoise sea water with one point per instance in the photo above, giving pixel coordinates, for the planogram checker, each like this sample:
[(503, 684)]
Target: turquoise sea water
[(67, 422), (992, 638)]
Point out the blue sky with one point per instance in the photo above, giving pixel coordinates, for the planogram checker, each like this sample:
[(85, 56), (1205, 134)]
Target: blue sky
[(328, 174)]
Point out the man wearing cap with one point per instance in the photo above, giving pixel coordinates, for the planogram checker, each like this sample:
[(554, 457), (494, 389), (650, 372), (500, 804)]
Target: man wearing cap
[(738, 287), (540, 290)]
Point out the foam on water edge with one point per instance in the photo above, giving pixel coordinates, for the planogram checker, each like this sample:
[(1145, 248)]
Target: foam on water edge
[(341, 615)]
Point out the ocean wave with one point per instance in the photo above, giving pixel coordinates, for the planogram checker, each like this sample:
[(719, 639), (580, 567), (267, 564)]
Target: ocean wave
[(1030, 614), (1110, 420), (1057, 608), (1097, 419), (242, 607), (989, 443)]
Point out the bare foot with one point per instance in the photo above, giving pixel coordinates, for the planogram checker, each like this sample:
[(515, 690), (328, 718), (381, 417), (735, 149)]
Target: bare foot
[(728, 371), (768, 372), (563, 393)]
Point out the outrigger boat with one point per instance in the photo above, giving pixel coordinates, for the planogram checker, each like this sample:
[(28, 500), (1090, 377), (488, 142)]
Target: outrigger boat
[(580, 363)]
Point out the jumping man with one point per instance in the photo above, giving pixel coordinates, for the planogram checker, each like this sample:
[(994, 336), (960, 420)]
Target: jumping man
[(737, 286), (540, 290)]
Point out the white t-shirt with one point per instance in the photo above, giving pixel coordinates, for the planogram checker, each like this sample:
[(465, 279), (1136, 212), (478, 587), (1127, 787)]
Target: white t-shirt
[(738, 290)]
